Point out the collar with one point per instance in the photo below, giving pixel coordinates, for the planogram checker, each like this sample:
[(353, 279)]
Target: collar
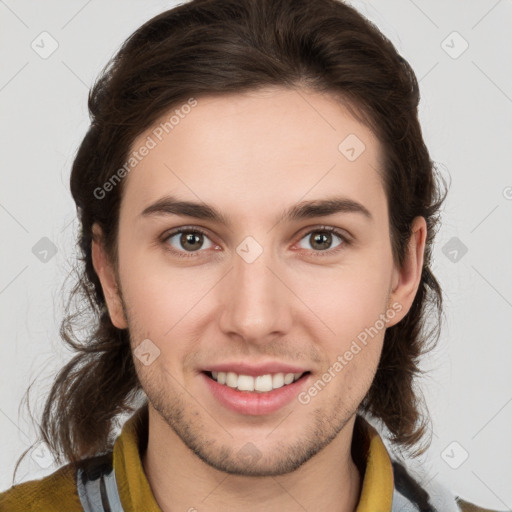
[(133, 486), (368, 451), (371, 456)]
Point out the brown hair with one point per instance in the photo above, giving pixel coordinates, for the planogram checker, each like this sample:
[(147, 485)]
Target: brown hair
[(208, 47)]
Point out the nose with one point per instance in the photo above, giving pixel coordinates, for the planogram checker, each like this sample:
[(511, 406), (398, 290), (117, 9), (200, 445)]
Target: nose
[(255, 303)]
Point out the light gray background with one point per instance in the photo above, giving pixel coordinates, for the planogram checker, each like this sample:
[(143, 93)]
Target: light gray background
[(466, 114)]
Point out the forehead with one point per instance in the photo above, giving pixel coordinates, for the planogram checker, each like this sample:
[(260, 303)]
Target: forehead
[(257, 151)]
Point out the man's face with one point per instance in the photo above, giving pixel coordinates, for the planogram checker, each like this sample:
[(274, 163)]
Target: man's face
[(257, 291)]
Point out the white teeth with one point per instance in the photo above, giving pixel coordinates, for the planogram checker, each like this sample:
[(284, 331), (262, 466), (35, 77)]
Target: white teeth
[(288, 378), (231, 379), (261, 383), (278, 380), (245, 383)]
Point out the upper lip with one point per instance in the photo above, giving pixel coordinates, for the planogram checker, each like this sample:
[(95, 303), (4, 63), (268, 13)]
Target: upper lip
[(255, 370)]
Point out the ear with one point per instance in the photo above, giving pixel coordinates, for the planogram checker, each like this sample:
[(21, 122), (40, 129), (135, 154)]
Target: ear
[(406, 280), (107, 277)]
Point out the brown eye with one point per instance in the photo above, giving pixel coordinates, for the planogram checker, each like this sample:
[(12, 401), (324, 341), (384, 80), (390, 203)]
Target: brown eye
[(189, 240), (321, 240)]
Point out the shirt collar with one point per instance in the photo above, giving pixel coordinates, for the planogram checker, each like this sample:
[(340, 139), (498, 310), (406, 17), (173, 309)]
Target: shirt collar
[(133, 486), (375, 466), (135, 492)]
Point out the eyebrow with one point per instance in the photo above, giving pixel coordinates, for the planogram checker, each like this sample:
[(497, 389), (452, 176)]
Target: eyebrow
[(170, 205)]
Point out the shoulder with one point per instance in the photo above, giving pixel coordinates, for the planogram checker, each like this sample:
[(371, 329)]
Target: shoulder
[(465, 506), (410, 489), (53, 493)]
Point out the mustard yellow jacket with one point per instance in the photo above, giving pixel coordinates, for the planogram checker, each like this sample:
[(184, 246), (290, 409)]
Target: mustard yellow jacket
[(386, 487)]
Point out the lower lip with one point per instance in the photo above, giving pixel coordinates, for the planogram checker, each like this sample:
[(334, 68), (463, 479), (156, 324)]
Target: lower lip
[(254, 404)]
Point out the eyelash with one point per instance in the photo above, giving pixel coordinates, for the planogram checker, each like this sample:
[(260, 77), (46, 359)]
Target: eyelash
[(324, 229)]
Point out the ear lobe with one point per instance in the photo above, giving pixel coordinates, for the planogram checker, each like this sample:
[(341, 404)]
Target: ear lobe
[(107, 277), (406, 280)]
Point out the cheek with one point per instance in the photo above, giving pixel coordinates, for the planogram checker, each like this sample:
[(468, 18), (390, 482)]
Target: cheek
[(344, 300), (163, 302), (348, 328)]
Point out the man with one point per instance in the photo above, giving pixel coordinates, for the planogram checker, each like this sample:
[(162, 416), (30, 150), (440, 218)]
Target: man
[(257, 209)]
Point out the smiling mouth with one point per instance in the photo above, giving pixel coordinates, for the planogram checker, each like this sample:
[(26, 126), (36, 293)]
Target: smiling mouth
[(259, 384)]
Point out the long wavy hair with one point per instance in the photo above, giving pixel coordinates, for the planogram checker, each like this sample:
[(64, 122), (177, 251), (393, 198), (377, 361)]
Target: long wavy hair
[(208, 47)]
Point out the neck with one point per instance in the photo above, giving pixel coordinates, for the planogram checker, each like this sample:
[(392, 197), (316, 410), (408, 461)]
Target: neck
[(180, 480)]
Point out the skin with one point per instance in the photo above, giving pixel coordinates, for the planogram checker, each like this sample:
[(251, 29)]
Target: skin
[(251, 156)]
